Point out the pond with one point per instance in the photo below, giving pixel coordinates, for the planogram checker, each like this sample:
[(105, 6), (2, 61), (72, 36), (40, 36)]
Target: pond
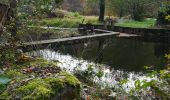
[(120, 58), (121, 54)]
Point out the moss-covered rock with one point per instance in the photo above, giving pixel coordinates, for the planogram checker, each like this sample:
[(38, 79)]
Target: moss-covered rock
[(31, 86)]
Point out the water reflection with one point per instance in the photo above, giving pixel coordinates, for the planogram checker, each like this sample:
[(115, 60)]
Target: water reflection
[(122, 54)]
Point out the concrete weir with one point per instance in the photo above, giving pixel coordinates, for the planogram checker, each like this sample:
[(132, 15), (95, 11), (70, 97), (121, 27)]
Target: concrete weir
[(65, 41)]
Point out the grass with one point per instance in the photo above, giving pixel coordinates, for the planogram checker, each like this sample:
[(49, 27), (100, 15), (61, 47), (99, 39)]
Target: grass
[(37, 33), (91, 19), (61, 22), (147, 23), (64, 19), (72, 22), (67, 22)]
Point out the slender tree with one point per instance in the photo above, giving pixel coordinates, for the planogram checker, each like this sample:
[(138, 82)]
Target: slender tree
[(102, 10)]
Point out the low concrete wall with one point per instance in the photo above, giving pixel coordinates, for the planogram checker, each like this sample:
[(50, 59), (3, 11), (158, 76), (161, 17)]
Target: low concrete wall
[(159, 32), (148, 34), (144, 32)]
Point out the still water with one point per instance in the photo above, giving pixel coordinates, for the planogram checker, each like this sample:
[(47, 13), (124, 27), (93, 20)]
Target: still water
[(121, 54)]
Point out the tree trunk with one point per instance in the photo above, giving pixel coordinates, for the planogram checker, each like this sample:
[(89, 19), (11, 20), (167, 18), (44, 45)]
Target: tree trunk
[(102, 10), (3, 13), (12, 17)]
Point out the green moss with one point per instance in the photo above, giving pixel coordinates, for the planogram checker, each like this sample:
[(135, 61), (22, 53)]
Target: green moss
[(43, 63), (45, 88), (40, 93), (55, 83), (39, 62), (69, 78), (16, 75), (5, 96), (38, 88), (35, 89)]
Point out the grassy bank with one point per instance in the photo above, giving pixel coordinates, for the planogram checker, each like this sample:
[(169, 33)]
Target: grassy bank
[(37, 33), (66, 22), (147, 23)]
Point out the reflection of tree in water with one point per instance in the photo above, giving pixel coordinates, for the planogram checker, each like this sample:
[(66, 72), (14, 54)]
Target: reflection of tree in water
[(102, 44), (161, 50)]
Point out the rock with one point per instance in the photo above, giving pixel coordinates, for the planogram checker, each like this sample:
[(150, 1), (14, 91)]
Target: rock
[(68, 93)]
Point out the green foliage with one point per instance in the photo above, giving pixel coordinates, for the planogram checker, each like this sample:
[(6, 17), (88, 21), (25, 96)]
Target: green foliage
[(38, 7), (119, 6), (123, 82), (100, 74), (167, 56), (89, 73), (163, 14), (159, 86), (167, 18), (2, 87), (137, 9)]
